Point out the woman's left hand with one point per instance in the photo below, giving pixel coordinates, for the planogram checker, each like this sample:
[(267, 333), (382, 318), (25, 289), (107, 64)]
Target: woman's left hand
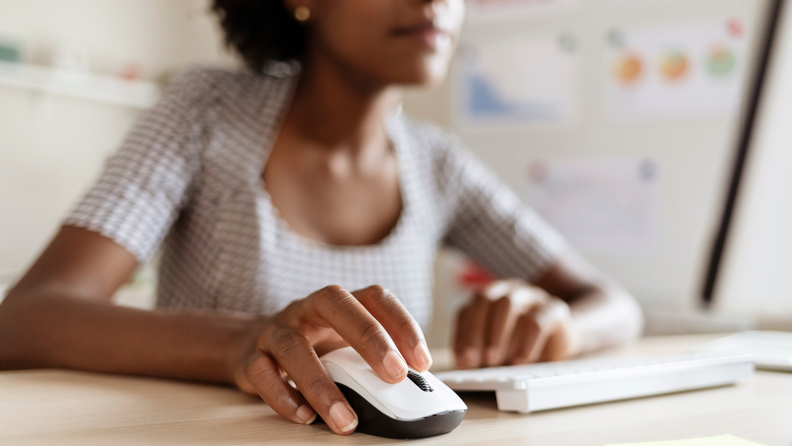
[(512, 322)]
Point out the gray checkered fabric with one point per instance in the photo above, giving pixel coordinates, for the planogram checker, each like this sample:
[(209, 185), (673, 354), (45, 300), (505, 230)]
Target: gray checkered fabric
[(188, 179)]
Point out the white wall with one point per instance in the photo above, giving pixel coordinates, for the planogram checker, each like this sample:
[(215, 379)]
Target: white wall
[(52, 147), (160, 35)]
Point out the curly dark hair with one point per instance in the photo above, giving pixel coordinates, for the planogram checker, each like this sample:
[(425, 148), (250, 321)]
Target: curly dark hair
[(261, 31)]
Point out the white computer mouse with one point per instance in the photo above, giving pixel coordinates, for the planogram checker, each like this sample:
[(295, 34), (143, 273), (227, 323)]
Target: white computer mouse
[(419, 406)]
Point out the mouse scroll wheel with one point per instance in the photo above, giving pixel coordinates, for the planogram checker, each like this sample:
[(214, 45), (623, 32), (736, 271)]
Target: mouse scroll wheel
[(419, 381)]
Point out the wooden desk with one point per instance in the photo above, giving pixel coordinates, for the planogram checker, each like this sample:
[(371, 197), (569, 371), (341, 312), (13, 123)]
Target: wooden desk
[(73, 408)]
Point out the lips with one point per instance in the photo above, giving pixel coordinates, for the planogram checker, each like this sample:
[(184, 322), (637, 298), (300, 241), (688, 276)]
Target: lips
[(427, 33)]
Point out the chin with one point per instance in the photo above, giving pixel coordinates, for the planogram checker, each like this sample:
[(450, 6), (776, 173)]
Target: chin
[(420, 73)]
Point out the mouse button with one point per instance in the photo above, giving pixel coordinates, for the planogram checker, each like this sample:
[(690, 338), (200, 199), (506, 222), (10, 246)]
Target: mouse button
[(349, 360), (408, 402), (371, 382), (345, 357), (449, 398)]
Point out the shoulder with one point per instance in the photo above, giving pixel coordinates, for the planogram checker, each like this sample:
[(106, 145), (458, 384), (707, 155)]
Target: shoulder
[(430, 142), (426, 134), (444, 165), (201, 87), (446, 153)]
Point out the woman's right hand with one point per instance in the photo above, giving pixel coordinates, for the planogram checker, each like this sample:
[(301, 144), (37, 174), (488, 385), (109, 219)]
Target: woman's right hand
[(288, 345)]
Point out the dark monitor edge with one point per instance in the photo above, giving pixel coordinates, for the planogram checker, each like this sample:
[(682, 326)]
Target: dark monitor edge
[(741, 154)]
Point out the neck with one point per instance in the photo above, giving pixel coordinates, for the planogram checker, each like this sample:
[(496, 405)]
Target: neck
[(338, 109)]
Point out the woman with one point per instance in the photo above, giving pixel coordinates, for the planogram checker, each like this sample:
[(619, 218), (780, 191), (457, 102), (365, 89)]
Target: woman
[(267, 188)]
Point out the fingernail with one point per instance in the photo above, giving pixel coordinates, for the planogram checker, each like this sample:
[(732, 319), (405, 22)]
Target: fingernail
[(472, 356), (305, 414), (422, 356), (394, 365), (492, 356), (342, 417)]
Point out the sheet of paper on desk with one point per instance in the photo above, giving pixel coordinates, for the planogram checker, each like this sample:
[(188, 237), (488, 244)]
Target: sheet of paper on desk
[(720, 440)]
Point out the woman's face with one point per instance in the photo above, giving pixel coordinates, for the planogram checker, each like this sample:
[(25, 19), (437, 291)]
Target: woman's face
[(386, 41)]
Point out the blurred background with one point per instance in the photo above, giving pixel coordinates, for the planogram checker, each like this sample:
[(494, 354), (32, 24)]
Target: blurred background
[(616, 119)]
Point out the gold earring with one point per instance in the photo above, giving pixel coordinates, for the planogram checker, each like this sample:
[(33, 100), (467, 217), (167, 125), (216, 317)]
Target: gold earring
[(302, 13)]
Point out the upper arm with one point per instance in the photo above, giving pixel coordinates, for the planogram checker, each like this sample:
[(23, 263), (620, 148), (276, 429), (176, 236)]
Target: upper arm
[(80, 263), (148, 181), (489, 222), (123, 218), (494, 227)]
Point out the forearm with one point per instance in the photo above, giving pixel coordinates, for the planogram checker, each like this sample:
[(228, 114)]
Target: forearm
[(48, 330), (605, 315)]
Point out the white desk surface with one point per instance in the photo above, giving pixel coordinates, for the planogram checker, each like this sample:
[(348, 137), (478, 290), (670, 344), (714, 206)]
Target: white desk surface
[(56, 407)]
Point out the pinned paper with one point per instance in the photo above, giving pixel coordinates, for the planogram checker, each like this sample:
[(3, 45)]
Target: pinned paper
[(693, 70), (526, 79), (720, 440), (603, 206)]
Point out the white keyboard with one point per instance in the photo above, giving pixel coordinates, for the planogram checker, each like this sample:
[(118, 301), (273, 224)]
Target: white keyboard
[(772, 350), (534, 387)]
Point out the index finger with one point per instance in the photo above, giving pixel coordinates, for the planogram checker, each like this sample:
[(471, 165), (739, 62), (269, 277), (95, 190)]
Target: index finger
[(399, 323), (337, 308)]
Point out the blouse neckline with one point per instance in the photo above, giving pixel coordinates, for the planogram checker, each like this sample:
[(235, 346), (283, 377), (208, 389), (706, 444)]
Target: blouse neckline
[(393, 132)]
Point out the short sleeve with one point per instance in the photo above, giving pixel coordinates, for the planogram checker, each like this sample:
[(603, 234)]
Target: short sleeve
[(147, 181), (490, 224)]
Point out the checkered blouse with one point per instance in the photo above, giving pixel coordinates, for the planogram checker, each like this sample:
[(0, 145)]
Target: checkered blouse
[(188, 179)]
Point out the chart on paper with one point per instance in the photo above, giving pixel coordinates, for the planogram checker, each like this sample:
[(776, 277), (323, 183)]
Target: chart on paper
[(679, 71), (520, 80)]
